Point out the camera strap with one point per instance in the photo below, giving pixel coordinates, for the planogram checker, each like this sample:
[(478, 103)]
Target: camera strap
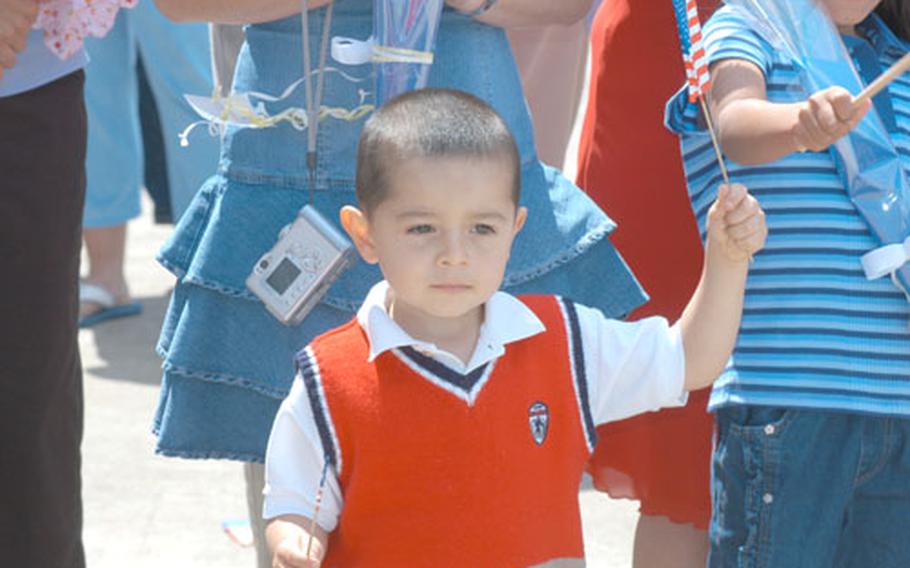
[(313, 101)]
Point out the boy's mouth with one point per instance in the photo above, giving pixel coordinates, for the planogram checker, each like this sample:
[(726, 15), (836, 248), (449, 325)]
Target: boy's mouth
[(451, 287)]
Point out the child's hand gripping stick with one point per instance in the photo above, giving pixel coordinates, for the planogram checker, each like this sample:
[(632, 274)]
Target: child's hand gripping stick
[(827, 116), (304, 550), (291, 553), (736, 223)]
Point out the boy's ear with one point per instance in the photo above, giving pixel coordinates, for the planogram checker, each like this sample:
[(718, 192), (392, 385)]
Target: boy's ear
[(520, 217), (357, 226)]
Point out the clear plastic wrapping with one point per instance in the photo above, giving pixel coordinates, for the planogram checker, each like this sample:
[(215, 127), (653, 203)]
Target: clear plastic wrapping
[(866, 159), (404, 33)]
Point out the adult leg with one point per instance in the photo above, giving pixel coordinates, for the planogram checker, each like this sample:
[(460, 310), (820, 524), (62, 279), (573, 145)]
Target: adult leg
[(551, 61), (106, 252), (254, 477), (42, 153), (176, 59), (155, 171), (114, 159), (661, 543), (675, 508)]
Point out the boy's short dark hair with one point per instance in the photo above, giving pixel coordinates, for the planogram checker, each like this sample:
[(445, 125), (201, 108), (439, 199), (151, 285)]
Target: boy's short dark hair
[(429, 123)]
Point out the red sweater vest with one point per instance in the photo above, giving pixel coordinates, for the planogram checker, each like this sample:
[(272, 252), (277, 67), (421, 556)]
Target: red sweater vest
[(429, 480)]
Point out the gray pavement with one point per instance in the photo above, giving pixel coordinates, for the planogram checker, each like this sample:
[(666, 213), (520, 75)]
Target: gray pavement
[(143, 510)]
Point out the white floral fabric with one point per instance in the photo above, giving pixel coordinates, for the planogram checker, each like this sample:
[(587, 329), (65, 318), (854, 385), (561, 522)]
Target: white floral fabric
[(66, 23)]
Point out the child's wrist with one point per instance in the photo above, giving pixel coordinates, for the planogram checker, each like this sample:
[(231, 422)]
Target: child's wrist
[(799, 139), (797, 146), (724, 257)]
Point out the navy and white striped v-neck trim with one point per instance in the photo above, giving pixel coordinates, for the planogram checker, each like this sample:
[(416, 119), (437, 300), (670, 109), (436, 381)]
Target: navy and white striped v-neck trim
[(465, 386)]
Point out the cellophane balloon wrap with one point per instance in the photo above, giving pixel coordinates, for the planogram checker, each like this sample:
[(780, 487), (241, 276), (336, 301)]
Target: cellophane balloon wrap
[(866, 159), (404, 36)]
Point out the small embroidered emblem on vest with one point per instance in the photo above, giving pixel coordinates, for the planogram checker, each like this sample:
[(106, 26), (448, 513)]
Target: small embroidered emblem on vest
[(539, 420)]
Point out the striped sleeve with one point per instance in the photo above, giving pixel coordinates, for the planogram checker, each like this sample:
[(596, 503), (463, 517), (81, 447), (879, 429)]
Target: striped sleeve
[(728, 35)]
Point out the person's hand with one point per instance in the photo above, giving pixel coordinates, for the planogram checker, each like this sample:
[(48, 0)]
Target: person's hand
[(291, 553), (736, 223), (16, 20), (826, 117)]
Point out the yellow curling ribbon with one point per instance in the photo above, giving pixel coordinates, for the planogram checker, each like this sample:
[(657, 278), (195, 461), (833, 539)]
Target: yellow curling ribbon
[(386, 54), (238, 109), (218, 111)]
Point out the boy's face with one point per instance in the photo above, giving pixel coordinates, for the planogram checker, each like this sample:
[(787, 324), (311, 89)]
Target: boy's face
[(848, 13), (443, 233)]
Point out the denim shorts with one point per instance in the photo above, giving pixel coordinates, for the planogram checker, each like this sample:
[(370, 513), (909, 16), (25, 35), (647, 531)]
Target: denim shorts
[(798, 488)]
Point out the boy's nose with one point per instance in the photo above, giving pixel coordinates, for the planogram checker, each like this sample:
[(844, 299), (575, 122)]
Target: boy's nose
[(453, 250)]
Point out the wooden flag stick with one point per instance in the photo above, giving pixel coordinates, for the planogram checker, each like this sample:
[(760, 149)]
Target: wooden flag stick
[(717, 152), (319, 491), (710, 125), (883, 80)]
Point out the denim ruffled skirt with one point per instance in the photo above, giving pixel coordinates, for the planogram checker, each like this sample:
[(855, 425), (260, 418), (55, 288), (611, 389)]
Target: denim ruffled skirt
[(227, 362)]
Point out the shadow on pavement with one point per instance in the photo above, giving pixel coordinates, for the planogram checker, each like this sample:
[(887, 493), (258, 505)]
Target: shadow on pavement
[(125, 348)]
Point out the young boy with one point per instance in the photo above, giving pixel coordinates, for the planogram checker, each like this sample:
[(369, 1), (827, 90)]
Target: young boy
[(812, 455), (456, 420)]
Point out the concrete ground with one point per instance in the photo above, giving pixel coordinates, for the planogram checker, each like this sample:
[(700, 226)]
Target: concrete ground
[(145, 511)]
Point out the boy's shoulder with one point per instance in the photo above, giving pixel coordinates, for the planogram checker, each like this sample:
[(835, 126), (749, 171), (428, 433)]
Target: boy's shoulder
[(729, 16), (551, 308), (538, 301), (734, 19), (346, 338), (731, 33), (564, 317)]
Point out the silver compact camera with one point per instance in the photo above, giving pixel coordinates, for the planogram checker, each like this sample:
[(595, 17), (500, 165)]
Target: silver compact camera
[(307, 258)]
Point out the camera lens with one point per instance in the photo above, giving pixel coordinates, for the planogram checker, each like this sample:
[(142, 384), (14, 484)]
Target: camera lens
[(263, 264)]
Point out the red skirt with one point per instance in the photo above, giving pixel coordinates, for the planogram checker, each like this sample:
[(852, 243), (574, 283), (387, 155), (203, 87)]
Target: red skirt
[(630, 164)]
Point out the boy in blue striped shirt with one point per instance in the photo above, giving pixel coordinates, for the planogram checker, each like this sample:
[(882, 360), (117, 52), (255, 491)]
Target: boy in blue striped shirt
[(812, 459)]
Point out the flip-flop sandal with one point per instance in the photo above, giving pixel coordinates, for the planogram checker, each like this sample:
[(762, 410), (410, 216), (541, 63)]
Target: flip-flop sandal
[(110, 309)]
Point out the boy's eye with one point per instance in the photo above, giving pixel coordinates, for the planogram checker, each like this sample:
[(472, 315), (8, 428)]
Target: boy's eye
[(484, 229), (420, 229)]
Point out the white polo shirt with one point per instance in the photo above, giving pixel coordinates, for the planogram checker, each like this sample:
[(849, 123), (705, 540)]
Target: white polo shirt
[(630, 368)]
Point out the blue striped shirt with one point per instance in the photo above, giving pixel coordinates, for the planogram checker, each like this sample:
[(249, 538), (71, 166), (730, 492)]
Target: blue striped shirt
[(815, 333)]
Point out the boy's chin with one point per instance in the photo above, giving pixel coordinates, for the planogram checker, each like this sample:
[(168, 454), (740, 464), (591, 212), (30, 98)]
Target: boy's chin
[(453, 311)]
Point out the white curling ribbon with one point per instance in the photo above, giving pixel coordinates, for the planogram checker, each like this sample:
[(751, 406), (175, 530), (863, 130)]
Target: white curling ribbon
[(886, 260), (234, 109), (350, 51), (238, 109)]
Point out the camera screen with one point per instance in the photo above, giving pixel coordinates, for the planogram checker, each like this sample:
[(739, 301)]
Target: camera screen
[(283, 276)]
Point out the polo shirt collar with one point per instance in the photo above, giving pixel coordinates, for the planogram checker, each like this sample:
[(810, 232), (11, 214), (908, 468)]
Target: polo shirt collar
[(506, 319)]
